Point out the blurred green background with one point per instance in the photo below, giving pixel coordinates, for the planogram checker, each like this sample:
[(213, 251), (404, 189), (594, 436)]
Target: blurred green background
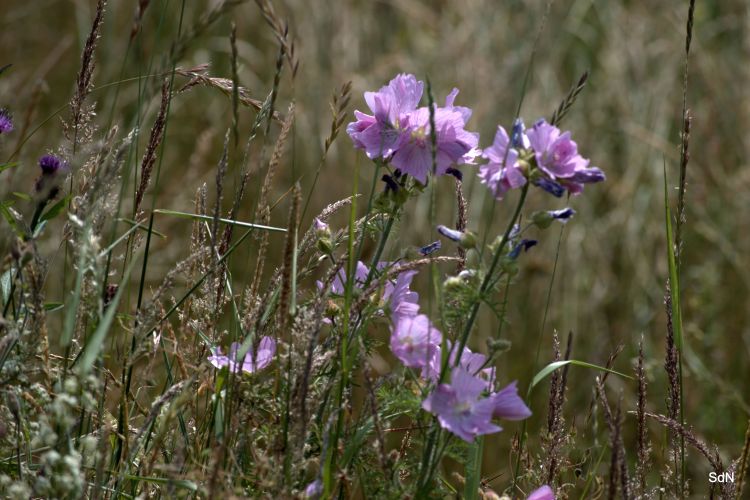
[(609, 285)]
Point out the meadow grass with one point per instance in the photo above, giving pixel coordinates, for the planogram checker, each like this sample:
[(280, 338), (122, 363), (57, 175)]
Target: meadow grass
[(180, 178)]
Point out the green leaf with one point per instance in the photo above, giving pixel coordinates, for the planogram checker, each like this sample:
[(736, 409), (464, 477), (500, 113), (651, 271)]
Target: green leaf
[(12, 217), (21, 196), (55, 209), (674, 275), (53, 306), (544, 372), (225, 221), (6, 166), (96, 341)]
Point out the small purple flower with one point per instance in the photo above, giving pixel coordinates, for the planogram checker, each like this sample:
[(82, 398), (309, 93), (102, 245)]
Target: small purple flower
[(6, 121), (524, 245), (460, 409), (381, 134), (415, 341), (403, 302), (430, 248), (508, 404), (503, 172), (584, 176), (320, 226), (563, 215), (551, 187), (543, 493), (451, 234), (252, 363), (51, 164), (518, 138), (314, 490)]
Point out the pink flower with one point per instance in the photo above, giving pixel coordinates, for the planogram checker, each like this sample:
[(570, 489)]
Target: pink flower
[(503, 172), (460, 409), (453, 144), (381, 134), (403, 302), (557, 156), (415, 341), (543, 493), (252, 363), (508, 404)]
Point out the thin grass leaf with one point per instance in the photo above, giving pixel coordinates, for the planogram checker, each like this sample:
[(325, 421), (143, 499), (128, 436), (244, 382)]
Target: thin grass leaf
[(220, 219), (674, 278), (547, 370)]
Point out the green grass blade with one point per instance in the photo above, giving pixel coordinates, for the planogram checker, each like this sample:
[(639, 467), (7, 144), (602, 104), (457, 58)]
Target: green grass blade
[(547, 370), (225, 221)]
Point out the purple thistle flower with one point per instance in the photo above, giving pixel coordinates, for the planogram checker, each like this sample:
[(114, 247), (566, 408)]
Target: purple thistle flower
[(543, 493), (51, 164), (6, 121), (414, 340), (381, 134), (403, 302), (508, 404), (503, 172), (251, 364), (459, 408)]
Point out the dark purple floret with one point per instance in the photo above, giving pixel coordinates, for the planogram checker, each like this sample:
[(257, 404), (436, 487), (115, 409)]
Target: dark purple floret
[(550, 186), (522, 245), (431, 248), (51, 164), (390, 184), (455, 173), (517, 137), (6, 121), (588, 175), (562, 214), (449, 233)]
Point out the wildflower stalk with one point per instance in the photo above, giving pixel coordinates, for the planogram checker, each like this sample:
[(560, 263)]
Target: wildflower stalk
[(425, 480)]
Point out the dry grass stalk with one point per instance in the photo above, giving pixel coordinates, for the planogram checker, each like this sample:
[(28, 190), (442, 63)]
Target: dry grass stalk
[(199, 76), (644, 447), (138, 17), (743, 463), (154, 141), (286, 308), (79, 114), (461, 223), (263, 212), (281, 31)]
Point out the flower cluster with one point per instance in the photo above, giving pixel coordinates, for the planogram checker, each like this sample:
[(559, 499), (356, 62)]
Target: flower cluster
[(401, 133), (253, 361), (542, 154), (466, 405)]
